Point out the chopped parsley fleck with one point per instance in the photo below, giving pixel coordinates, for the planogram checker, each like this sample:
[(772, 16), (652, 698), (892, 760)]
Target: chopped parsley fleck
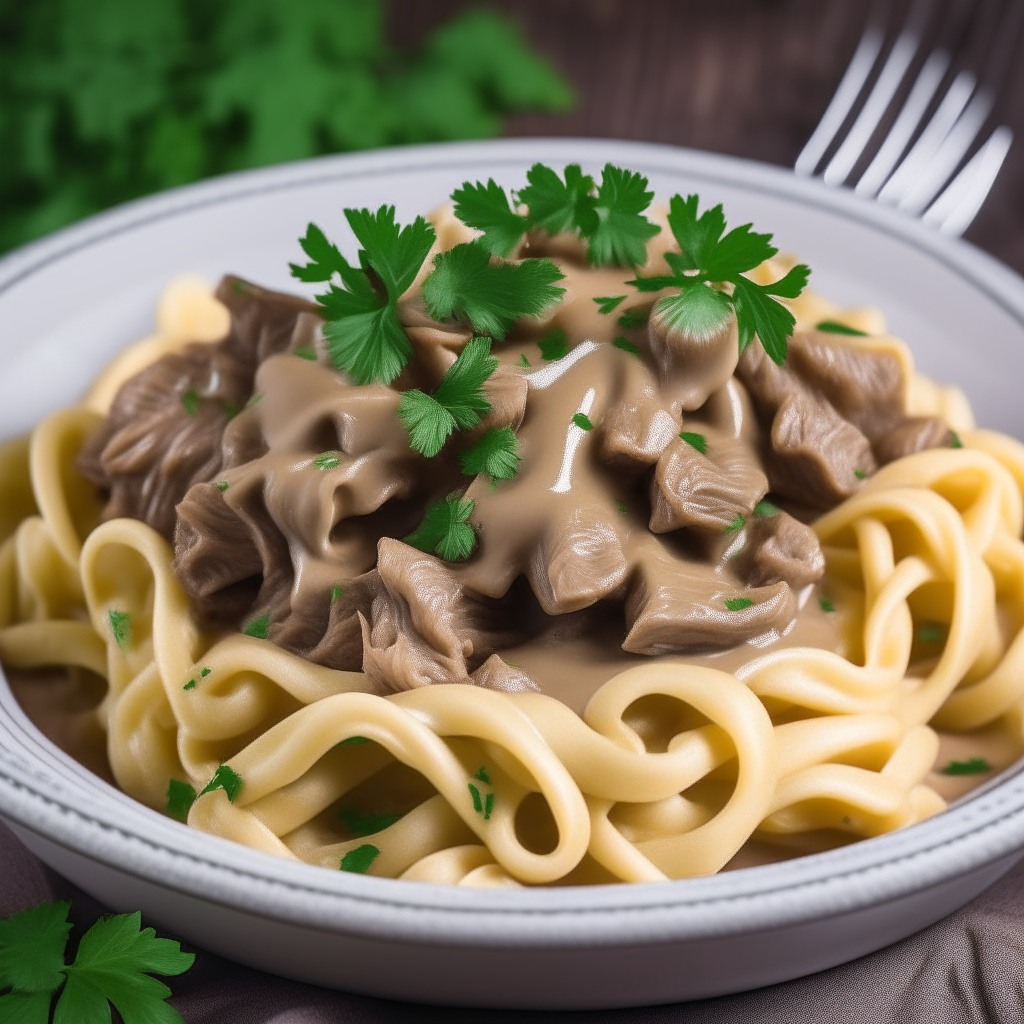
[(694, 440), (361, 859), (306, 352), (225, 778), (327, 460), (180, 798), (737, 524), (446, 530), (120, 628), (190, 685), (826, 605), (258, 627), (482, 775), (222, 485), (955, 441), (582, 421), (621, 506), (337, 592), (972, 766), (834, 327), (860, 474), (190, 401), (764, 509), (737, 604), (607, 303), (523, 361), (554, 345), (478, 804), (352, 741), (931, 632), (239, 286), (360, 824), (255, 400), (626, 345), (488, 806), (205, 672), (636, 316)]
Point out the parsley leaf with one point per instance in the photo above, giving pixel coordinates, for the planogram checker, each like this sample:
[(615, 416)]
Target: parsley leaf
[(496, 454), (361, 859), (626, 345), (695, 440), (555, 205), (608, 303), (972, 766), (258, 628), (489, 296), (363, 334), (457, 403), (764, 509), (634, 317), (582, 420), (554, 345), (706, 259), (737, 604), (446, 530), (834, 327), (225, 778), (826, 605), (113, 965), (120, 628), (180, 798), (360, 824), (618, 231), (486, 208)]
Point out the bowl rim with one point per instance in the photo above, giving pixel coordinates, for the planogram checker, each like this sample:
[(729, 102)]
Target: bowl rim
[(91, 819)]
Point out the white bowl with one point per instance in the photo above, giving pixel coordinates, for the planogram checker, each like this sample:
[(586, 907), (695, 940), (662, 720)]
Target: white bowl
[(71, 301)]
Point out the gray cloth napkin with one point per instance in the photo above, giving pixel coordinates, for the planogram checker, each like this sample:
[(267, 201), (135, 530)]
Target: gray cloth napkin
[(967, 969)]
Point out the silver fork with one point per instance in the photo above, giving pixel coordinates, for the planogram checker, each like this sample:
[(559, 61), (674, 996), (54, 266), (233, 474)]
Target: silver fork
[(912, 179)]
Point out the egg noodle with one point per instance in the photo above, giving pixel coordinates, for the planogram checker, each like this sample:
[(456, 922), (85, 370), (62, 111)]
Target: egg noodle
[(670, 770)]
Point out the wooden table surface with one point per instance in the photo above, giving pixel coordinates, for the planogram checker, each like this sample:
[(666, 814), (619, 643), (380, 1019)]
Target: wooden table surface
[(750, 77)]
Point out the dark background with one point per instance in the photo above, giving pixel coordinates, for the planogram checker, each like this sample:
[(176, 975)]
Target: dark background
[(748, 77)]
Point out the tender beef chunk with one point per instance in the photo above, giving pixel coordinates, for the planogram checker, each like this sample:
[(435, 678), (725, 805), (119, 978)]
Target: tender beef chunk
[(912, 435), (424, 626), (163, 431), (676, 605), (496, 674), (704, 490), (779, 548)]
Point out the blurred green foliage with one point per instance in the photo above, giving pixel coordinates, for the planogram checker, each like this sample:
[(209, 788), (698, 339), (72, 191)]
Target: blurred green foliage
[(105, 100)]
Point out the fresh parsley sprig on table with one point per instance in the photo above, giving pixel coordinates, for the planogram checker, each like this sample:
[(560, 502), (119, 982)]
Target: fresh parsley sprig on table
[(457, 403), (707, 259), (446, 530), (489, 296), (115, 961), (363, 334)]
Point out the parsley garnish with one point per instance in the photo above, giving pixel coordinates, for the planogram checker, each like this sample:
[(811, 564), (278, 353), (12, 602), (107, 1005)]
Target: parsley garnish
[(611, 222), (496, 454), (481, 804), (635, 316), (523, 361), (360, 824), (488, 296), (446, 530), (190, 685), (764, 509), (607, 303), (554, 345), (737, 524), (931, 632), (120, 628), (695, 440), (860, 474), (973, 766), (486, 208), (707, 258), (114, 963), (190, 401), (955, 441), (361, 859), (352, 741), (306, 352), (834, 327), (737, 604), (336, 592), (457, 403), (363, 334), (225, 778), (621, 506), (826, 605), (222, 485), (626, 345), (205, 672), (258, 627), (327, 460), (482, 775), (582, 421), (180, 798)]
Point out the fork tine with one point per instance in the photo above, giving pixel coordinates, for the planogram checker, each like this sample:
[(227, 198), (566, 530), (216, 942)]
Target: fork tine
[(877, 103), (928, 80), (856, 74), (959, 204), (935, 131), (950, 152)]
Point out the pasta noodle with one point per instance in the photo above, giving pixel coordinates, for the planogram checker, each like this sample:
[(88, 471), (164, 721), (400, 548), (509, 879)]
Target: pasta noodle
[(669, 772)]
